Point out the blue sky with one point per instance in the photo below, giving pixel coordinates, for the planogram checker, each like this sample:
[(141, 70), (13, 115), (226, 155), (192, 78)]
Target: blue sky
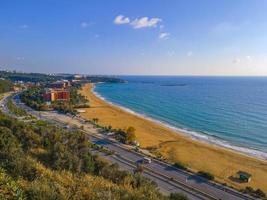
[(167, 37)]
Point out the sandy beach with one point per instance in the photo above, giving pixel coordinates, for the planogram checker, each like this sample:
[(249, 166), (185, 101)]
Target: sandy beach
[(175, 146)]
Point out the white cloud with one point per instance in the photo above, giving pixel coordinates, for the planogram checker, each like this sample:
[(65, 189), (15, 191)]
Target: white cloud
[(145, 22), (24, 26), (120, 19), (142, 22), (84, 24), (236, 60), (189, 53), (164, 35)]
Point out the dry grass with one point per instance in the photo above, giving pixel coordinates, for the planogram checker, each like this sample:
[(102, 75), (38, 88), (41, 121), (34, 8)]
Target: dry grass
[(174, 146)]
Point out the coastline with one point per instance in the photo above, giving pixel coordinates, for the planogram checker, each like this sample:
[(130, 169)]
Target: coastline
[(175, 145), (210, 140)]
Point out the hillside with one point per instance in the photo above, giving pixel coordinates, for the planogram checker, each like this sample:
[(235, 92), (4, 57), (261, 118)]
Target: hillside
[(40, 161)]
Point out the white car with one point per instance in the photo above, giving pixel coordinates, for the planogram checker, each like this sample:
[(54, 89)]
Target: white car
[(146, 160)]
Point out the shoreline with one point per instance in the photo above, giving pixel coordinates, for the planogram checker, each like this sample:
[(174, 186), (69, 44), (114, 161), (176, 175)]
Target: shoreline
[(210, 140), (174, 145)]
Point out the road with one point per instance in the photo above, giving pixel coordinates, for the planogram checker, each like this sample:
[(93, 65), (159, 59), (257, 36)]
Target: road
[(168, 178)]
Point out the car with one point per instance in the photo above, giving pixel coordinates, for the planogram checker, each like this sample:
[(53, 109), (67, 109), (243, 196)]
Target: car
[(146, 160)]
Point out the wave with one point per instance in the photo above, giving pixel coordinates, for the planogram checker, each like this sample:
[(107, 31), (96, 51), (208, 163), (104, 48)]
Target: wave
[(204, 137)]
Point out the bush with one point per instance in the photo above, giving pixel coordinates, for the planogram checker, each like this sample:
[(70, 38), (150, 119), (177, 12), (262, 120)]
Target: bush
[(180, 165), (9, 188), (178, 196), (126, 136), (206, 175), (256, 193), (16, 110), (5, 86), (51, 163), (43, 189), (139, 169)]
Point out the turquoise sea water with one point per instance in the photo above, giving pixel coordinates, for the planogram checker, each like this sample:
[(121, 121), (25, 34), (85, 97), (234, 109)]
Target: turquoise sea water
[(228, 111)]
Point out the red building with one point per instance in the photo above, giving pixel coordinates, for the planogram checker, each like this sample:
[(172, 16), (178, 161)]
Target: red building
[(56, 95)]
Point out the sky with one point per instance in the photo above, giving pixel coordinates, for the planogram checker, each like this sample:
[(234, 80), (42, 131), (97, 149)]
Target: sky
[(135, 37)]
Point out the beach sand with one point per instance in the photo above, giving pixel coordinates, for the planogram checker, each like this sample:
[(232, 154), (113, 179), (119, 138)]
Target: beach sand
[(175, 146)]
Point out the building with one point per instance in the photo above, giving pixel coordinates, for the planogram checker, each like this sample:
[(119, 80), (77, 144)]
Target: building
[(56, 95), (60, 84), (77, 76), (244, 176)]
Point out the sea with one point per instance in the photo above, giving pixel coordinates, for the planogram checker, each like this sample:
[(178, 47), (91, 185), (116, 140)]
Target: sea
[(224, 111)]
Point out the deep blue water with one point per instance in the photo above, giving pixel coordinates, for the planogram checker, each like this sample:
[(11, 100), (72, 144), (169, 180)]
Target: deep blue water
[(229, 109)]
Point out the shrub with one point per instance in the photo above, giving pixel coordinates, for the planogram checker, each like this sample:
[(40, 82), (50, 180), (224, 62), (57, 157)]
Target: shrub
[(256, 193), (16, 110), (139, 169), (178, 196), (43, 189), (260, 193), (180, 165), (9, 188), (126, 136), (5, 86), (206, 175)]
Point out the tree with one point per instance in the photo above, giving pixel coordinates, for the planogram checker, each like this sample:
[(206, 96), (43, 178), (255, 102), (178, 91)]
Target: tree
[(95, 120), (5, 86), (130, 135)]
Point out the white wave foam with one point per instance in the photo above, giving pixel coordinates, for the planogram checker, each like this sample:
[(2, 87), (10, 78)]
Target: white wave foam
[(192, 134)]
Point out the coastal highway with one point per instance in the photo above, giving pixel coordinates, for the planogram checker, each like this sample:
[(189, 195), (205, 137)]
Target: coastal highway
[(168, 178)]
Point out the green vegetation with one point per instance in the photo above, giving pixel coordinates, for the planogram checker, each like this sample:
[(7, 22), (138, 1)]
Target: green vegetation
[(5, 86), (41, 161), (8, 187), (206, 175), (27, 77), (33, 97), (258, 193), (180, 165), (126, 136), (76, 99), (45, 78), (139, 169), (178, 196), (16, 110), (106, 79)]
